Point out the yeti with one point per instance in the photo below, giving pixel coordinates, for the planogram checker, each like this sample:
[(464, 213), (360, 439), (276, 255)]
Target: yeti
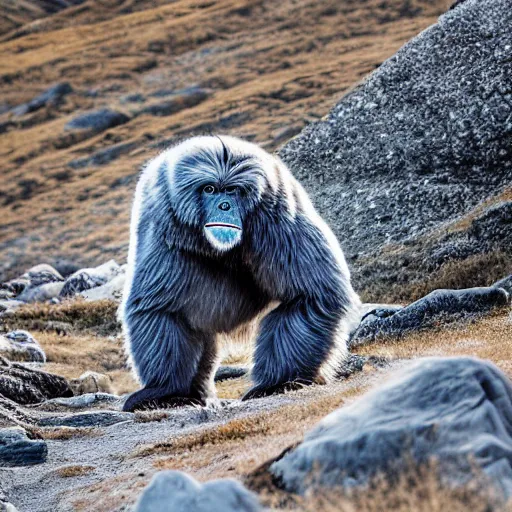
[(223, 236)]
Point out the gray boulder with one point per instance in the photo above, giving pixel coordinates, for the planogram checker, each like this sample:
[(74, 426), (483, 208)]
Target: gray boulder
[(16, 449), (113, 290), (34, 277), (419, 143), (96, 121), (41, 293), (21, 346), (174, 491), (455, 410), (52, 96), (176, 101), (87, 419), (88, 278), (29, 386), (505, 283), (440, 304)]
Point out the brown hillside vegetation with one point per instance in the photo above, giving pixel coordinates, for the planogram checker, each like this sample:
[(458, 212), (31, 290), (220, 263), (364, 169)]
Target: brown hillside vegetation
[(267, 68)]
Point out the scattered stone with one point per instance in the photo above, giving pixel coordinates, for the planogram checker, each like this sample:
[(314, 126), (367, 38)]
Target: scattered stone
[(87, 400), (97, 121), (88, 278), (91, 382), (21, 346), (133, 98), (440, 304), (230, 372), (178, 100), (52, 96), (505, 283), (16, 449), (113, 290), (457, 411), (7, 307), (5, 506), (174, 491), (30, 386), (103, 156), (87, 419), (34, 277), (41, 293)]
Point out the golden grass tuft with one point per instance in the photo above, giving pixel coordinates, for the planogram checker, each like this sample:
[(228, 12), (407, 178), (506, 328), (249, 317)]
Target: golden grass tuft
[(78, 313), (149, 416), (64, 433), (74, 471)]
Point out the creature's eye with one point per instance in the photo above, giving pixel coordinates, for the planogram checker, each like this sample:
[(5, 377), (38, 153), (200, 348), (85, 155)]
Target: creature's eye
[(209, 189), (231, 190)]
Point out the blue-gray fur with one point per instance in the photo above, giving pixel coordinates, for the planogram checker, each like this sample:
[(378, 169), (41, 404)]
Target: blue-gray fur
[(182, 290)]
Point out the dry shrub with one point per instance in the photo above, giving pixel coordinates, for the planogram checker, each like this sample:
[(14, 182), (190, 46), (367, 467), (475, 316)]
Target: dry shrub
[(64, 433), (73, 471), (293, 417), (77, 312), (149, 416)]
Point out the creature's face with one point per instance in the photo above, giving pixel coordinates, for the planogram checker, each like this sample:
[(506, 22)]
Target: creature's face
[(215, 185), (223, 219)]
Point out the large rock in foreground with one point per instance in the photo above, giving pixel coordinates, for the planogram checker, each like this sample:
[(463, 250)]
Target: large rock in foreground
[(174, 491), (420, 143), (456, 410)]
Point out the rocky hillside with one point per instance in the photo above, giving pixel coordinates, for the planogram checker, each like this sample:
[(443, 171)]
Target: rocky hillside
[(413, 168), (146, 73)]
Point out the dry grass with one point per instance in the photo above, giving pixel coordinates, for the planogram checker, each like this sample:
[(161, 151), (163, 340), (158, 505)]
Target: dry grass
[(74, 471), (149, 416), (479, 270), (418, 489), (63, 433), (76, 315)]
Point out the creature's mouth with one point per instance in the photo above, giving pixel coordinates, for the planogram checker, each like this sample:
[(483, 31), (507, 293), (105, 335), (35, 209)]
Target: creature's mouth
[(222, 225)]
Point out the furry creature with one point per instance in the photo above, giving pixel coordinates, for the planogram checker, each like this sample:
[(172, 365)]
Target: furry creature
[(221, 234)]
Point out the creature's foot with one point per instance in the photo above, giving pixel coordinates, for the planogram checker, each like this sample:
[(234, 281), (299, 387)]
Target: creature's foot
[(154, 398), (261, 391)]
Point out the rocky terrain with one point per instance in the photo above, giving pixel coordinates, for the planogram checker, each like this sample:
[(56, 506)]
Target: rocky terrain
[(412, 169)]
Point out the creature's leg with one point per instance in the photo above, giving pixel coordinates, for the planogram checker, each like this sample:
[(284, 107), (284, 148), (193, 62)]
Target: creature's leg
[(203, 383), (166, 354), (294, 341)]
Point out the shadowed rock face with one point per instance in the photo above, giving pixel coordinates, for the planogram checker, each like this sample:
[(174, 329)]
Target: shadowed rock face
[(453, 409), (423, 140)]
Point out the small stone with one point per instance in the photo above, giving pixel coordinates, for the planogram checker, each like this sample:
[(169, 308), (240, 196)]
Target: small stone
[(88, 278), (91, 382), (21, 346), (113, 290), (25, 385), (53, 96), (16, 449), (97, 120), (87, 419), (41, 293), (174, 491)]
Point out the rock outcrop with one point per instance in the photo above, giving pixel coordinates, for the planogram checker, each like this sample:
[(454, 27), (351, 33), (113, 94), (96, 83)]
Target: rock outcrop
[(28, 386), (419, 144), (174, 491), (457, 411)]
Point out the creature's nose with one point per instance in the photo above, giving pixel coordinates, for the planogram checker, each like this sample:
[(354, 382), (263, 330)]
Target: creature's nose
[(224, 206)]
